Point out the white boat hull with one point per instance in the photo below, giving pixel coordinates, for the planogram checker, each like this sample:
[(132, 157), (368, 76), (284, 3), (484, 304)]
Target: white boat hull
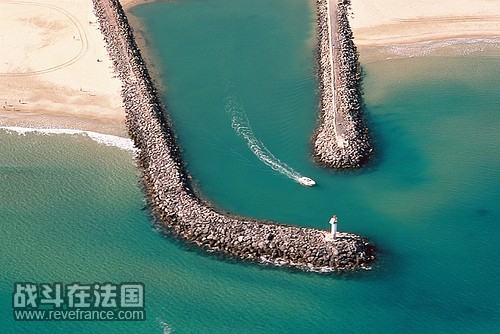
[(305, 181)]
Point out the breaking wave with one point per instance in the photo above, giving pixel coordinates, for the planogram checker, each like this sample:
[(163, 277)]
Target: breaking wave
[(108, 140), (457, 46)]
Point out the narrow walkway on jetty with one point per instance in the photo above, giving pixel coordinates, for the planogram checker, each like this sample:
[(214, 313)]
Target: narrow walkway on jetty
[(341, 140), (338, 119)]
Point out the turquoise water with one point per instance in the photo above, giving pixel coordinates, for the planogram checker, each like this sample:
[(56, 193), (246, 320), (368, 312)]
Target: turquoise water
[(71, 209)]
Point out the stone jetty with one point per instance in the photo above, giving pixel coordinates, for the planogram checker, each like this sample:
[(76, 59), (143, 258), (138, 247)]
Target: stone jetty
[(341, 140), (168, 186)]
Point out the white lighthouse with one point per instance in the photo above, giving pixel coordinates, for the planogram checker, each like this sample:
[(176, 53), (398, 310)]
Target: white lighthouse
[(333, 223)]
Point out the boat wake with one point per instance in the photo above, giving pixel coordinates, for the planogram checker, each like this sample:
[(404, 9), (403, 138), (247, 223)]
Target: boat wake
[(240, 123)]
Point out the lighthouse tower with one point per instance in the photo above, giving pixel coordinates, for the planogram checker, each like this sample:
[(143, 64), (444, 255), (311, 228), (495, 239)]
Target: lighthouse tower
[(333, 223)]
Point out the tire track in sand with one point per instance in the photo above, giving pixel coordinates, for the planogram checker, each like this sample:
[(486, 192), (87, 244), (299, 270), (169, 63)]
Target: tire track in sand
[(76, 24)]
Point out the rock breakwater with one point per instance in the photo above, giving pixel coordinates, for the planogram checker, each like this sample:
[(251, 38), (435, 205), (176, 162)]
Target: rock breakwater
[(341, 140), (168, 188)]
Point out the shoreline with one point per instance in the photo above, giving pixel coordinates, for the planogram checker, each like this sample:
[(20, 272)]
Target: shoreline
[(172, 199), (55, 71), (457, 47), (43, 119), (101, 138), (390, 22)]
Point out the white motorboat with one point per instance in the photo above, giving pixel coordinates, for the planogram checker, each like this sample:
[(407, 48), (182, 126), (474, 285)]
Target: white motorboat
[(305, 181)]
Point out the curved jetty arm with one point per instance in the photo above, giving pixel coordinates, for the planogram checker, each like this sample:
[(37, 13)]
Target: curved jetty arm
[(168, 188), (341, 140)]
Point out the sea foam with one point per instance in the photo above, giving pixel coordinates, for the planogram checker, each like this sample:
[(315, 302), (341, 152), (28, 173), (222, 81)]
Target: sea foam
[(108, 140), (456, 46)]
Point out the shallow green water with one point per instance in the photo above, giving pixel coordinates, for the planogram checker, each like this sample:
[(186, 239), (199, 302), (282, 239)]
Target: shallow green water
[(70, 209)]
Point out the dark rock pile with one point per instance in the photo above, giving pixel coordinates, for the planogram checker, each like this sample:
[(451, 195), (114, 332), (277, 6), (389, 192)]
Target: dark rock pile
[(345, 97), (169, 191)]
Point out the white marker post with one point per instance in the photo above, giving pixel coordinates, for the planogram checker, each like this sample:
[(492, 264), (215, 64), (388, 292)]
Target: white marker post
[(333, 222)]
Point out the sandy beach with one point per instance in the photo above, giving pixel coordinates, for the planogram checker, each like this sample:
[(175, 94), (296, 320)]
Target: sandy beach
[(55, 71), (380, 22)]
